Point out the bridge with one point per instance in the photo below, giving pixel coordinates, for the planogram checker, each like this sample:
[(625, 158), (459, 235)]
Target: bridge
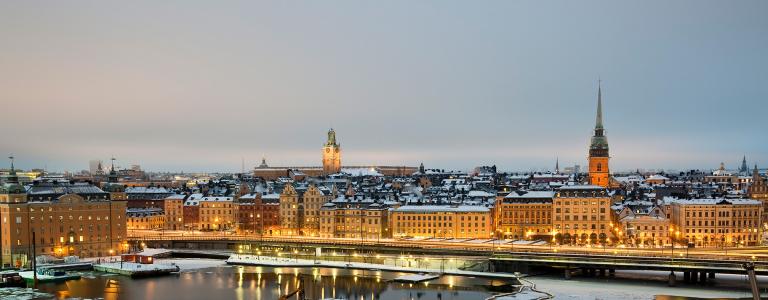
[(692, 269), (695, 265)]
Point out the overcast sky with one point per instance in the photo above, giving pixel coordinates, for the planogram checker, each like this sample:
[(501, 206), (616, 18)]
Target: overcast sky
[(198, 86)]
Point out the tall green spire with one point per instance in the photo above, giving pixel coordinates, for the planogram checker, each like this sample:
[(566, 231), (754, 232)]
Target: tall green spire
[(599, 144), (599, 118)]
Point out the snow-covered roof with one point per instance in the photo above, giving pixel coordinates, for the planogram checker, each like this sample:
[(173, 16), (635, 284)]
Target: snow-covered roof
[(357, 172), (711, 201), (442, 208), (530, 194), (476, 193), (220, 199)]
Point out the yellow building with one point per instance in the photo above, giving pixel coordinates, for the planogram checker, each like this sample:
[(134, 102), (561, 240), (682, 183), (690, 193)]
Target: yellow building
[(173, 207), (354, 218), (290, 218), (598, 150), (716, 222), (442, 221), (217, 213), (582, 214), (331, 154), (524, 215), (649, 228), (145, 218)]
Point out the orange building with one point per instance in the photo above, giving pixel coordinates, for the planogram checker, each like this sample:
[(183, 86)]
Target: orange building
[(64, 218), (598, 149)]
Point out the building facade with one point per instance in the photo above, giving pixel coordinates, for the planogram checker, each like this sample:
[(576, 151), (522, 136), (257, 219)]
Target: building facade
[(65, 219), (145, 219), (364, 219), (442, 221), (582, 215), (524, 215), (173, 207), (717, 222), (217, 213), (646, 228)]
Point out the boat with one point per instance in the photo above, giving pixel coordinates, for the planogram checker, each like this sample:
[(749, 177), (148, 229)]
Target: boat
[(11, 279), (47, 275)]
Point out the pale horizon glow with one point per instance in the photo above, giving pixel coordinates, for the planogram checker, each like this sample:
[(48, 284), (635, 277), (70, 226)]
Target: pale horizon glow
[(199, 86)]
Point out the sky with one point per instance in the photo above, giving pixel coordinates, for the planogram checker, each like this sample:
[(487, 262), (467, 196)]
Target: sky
[(204, 85)]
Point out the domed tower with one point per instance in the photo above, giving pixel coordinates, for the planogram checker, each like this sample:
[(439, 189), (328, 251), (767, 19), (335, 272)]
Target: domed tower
[(331, 154), (11, 191), (598, 149), (116, 191)]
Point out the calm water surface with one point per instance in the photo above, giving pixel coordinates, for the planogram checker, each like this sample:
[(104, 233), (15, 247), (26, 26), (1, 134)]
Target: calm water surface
[(225, 282)]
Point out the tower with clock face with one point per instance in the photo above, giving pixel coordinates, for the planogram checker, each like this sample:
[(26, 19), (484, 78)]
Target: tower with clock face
[(331, 154)]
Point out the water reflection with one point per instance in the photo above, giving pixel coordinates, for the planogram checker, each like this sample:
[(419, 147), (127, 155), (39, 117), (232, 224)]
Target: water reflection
[(269, 283)]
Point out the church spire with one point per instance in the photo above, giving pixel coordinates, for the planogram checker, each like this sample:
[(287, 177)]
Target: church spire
[(557, 165), (744, 169), (112, 177), (599, 117)]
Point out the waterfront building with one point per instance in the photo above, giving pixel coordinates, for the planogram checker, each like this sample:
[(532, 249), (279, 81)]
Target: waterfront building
[(258, 214), (598, 150), (442, 221), (645, 225), (311, 201), (65, 218), (582, 214), (173, 207), (290, 211), (145, 218), (524, 215), (300, 207), (217, 213), (191, 212), (716, 222), (355, 217)]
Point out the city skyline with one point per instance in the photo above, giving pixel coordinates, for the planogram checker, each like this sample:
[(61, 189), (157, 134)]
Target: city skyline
[(513, 84)]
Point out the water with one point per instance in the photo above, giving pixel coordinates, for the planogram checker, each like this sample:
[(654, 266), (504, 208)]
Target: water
[(224, 282)]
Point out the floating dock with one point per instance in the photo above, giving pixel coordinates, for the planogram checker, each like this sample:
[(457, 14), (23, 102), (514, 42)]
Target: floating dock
[(136, 269)]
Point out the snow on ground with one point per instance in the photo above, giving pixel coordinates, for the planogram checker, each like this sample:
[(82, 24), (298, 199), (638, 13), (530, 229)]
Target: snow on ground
[(628, 287), (153, 251), (187, 264), (23, 294), (525, 294)]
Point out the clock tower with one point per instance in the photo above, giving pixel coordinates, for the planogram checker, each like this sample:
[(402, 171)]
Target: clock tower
[(331, 154)]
